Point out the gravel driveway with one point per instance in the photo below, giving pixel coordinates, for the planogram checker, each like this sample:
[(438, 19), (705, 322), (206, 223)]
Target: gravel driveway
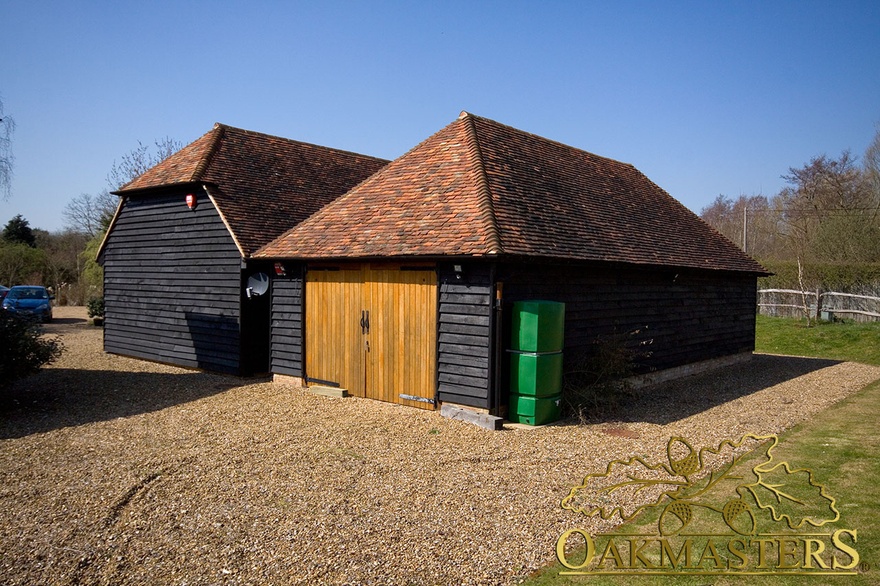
[(118, 471)]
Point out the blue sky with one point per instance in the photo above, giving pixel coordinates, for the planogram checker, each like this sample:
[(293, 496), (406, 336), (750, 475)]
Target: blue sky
[(705, 98)]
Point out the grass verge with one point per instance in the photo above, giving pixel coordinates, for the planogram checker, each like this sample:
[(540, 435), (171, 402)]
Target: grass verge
[(839, 446)]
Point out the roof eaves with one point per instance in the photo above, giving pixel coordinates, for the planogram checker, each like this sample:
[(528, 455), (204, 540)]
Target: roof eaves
[(487, 209), (155, 188)]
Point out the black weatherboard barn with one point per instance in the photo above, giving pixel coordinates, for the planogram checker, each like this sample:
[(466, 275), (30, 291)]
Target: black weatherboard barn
[(487, 215), (177, 257), (395, 280)]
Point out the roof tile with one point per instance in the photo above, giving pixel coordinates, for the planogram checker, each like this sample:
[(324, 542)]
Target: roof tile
[(480, 188), (262, 184)]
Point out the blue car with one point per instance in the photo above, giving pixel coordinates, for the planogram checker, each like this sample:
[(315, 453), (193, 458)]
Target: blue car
[(29, 300)]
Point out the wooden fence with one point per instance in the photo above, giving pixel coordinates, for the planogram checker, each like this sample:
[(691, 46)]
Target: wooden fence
[(826, 305)]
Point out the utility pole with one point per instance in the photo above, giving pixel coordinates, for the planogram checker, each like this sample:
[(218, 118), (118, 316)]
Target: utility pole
[(745, 225)]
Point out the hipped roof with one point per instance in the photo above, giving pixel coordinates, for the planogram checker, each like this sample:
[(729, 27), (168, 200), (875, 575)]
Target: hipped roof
[(479, 188), (261, 184)]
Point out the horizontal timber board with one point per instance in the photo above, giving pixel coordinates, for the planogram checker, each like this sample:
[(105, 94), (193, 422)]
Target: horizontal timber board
[(286, 317), (463, 360), (165, 282), (178, 328), (217, 345), (454, 328), (464, 309), (484, 290), (286, 368), (452, 349), (464, 299), (171, 356), (461, 380), (462, 340), (446, 390), (465, 371), (470, 320), (281, 346), (224, 265), (167, 308)]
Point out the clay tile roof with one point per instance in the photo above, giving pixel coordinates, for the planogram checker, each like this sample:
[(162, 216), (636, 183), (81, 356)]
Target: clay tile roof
[(261, 184), (432, 200), (480, 188)]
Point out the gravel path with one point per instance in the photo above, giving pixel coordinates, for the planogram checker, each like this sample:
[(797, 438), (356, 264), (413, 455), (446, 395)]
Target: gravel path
[(118, 471)]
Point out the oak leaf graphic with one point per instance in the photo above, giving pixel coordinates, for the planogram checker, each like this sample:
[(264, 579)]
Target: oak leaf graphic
[(791, 496), (725, 480)]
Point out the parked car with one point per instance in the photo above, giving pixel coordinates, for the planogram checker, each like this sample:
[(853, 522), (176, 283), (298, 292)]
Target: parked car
[(3, 292), (29, 300)]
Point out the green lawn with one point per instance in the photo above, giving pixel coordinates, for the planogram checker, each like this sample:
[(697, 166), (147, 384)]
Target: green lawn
[(839, 446), (836, 340)]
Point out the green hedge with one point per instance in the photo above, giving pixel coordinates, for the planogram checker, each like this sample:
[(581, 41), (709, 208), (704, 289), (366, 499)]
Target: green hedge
[(840, 277)]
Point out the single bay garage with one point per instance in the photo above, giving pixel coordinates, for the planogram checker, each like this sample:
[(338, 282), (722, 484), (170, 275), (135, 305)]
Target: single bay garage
[(480, 215)]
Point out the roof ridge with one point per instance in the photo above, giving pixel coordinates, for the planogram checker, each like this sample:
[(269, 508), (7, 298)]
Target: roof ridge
[(487, 208), (257, 133), (219, 132), (549, 140)]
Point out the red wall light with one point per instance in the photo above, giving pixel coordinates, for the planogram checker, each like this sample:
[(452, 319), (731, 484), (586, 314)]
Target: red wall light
[(190, 201)]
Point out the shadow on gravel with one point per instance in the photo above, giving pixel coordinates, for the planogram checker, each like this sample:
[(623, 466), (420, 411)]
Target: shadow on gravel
[(64, 321), (669, 402), (57, 398)]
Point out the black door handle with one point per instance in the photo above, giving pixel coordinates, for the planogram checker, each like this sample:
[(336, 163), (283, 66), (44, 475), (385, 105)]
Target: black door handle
[(368, 321), (363, 322)]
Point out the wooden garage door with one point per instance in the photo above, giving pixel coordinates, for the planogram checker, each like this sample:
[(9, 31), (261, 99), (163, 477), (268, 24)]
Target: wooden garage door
[(372, 329)]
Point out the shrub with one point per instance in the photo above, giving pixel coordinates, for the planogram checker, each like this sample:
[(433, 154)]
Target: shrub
[(595, 383), (23, 349), (96, 307)]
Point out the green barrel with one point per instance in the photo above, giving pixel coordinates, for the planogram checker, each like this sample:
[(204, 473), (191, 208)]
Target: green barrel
[(534, 374), (534, 410), (538, 326)]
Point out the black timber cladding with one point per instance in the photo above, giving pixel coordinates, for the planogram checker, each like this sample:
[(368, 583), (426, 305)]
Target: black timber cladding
[(668, 317), (465, 322), (287, 322), (172, 284)]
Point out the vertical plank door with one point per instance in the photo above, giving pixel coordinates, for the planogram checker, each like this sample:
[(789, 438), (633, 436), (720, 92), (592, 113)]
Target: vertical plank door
[(401, 357), (334, 339), (395, 354)]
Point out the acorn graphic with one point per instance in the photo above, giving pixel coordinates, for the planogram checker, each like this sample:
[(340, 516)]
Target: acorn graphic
[(675, 517), (682, 466), (738, 516)]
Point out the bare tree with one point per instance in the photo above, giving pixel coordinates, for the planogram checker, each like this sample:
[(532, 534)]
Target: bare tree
[(871, 164), (7, 128), (63, 263), (140, 160), (90, 214), (830, 211), (749, 221)]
